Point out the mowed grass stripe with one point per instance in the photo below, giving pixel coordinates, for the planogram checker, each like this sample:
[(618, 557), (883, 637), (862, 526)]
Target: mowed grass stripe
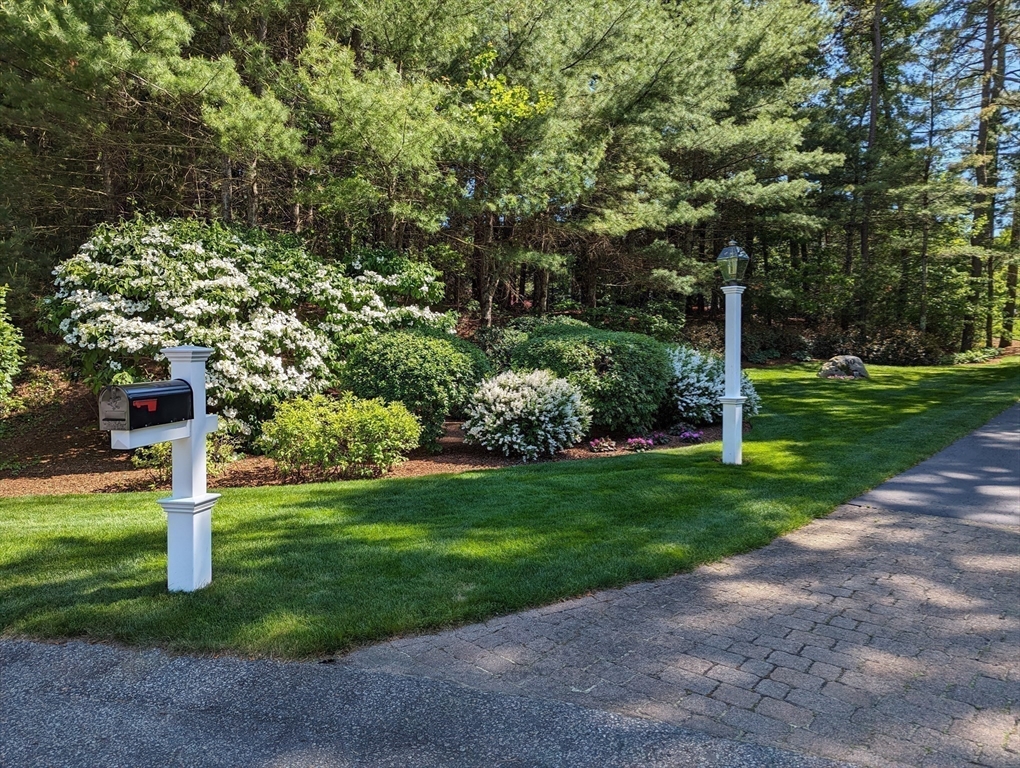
[(305, 570)]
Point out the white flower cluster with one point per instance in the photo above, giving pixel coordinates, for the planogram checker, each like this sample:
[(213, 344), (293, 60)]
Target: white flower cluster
[(273, 314), (699, 380), (527, 414)]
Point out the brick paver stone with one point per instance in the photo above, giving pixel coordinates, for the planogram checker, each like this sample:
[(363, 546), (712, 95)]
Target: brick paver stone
[(883, 638)]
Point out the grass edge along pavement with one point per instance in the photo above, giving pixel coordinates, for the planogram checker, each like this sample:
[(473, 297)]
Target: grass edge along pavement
[(305, 570)]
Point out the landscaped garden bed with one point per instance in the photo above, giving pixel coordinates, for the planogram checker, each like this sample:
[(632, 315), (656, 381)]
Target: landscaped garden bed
[(51, 444)]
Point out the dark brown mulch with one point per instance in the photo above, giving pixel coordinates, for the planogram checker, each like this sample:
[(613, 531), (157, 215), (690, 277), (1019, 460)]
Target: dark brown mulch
[(54, 446)]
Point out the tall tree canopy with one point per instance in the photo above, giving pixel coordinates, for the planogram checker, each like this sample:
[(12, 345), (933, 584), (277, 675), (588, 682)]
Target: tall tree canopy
[(540, 153)]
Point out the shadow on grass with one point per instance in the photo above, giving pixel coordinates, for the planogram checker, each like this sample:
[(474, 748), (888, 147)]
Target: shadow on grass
[(304, 570)]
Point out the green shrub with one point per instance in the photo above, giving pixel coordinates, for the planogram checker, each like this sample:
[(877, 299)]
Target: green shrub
[(499, 342), (707, 336), (433, 375), (903, 346), (530, 324), (11, 351), (158, 458), (623, 376), (662, 320), (346, 437), (972, 356), (829, 342), (768, 342)]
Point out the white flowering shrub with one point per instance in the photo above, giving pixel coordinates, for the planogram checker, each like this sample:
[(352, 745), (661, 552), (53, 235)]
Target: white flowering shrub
[(699, 380), (276, 316), (527, 414)]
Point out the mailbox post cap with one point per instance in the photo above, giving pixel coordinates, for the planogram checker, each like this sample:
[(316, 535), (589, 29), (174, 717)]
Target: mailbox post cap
[(187, 354)]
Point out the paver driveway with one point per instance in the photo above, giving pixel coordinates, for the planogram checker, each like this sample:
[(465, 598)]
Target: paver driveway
[(868, 636)]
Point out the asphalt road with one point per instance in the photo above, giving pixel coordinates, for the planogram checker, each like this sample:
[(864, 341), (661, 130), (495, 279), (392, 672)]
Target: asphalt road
[(99, 706), (977, 478)]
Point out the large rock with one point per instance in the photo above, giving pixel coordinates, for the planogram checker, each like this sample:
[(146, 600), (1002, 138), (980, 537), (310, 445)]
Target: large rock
[(843, 367)]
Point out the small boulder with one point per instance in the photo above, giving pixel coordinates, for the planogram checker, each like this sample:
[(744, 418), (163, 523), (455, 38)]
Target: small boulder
[(844, 367)]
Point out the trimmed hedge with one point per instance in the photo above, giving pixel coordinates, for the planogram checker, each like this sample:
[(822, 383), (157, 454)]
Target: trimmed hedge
[(433, 375), (623, 376), (499, 342)]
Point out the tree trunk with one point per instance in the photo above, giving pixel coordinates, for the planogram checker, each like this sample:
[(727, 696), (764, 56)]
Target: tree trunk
[(111, 200), (226, 190), (588, 279), (1009, 309), (864, 299), (540, 300), (295, 208), (483, 268), (253, 193), (983, 201), (998, 81), (922, 321)]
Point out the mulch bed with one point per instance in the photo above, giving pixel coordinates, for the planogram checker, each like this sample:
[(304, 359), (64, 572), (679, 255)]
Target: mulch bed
[(57, 448), (54, 446)]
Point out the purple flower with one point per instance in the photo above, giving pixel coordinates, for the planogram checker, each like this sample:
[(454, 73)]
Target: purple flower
[(639, 444), (602, 445)]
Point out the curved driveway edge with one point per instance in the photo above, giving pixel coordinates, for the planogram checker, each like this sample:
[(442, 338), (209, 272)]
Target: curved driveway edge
[(879, 638)]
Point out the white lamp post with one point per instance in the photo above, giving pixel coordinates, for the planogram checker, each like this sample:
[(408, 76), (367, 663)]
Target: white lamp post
[(732, 263)]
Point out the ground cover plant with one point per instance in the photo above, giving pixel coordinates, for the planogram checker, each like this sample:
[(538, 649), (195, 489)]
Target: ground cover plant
[(307, 570), (11, 350)]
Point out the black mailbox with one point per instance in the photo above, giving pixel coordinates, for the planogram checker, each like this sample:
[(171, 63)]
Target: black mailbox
[(134, 406)]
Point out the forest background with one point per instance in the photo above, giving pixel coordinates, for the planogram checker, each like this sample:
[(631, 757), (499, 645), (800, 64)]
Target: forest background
[(585, 157)]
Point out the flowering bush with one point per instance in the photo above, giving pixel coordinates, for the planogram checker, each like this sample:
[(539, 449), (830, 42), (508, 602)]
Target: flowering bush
[(698, 383), (276, 316), (527, 414), (602, 445), (11, 352), (661, 438), (623, 376), (433, 375), (348, 437), (640, 444), (691, 435)]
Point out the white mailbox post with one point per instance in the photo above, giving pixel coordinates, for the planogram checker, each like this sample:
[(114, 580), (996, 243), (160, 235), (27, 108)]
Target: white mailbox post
[(189, 508)]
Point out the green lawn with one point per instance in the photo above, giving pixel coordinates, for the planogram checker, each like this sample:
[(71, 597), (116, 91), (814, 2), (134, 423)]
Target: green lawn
[(312, 569)]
